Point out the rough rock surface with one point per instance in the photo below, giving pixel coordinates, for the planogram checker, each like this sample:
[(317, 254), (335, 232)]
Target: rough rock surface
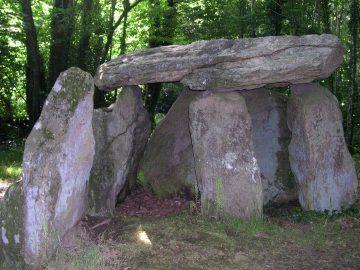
[(11, 222), (121, 133), (56, 166), (271, 138), (319, 158), (168, 161), (226, 167), (227, 64)]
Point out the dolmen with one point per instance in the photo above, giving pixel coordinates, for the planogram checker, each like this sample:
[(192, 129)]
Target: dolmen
[(231, 139)]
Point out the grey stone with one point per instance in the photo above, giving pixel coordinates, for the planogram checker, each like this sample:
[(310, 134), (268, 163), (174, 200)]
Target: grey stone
[(319, 158), (11, 224), (226, 167), (121, 133), (227, 64), (57, 160), (271, 138), (168, 162)]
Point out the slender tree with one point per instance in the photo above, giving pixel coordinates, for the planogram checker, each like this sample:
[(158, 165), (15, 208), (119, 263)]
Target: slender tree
[(35, 78), (161, 34), (242, 13), (86, 29), (252, 22), (353, 26), (115, 24), (62, 25), (275, 15)]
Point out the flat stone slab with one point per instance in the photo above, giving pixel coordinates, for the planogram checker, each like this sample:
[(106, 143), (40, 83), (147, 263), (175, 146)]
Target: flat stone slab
[(224, 65)]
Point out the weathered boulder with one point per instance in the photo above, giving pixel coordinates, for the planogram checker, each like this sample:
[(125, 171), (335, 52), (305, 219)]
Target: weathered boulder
[(168, 162), (319, 158), (56, 166), (227, 64), (11, 222), (121, 133), (271, 138), (225, 163)]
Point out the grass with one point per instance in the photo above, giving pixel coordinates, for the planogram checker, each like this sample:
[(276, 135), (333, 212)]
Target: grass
[(10, 164), (186, 241)]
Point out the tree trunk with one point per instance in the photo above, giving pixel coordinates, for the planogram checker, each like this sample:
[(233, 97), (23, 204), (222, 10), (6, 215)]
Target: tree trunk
[(35, 79), (353, 26), (124, 31), (84, 42), (242, 13), (326, 16), (275, 16), (252, 23), (113, 26), (62, 25), (160, 35)]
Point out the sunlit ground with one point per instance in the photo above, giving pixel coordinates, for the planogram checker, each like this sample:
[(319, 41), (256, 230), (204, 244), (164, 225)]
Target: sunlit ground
[(10, 167), (287, 240)]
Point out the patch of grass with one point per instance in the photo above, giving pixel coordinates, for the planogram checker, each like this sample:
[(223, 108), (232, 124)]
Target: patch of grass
[(194, 242), (10, 163), (356, 158)]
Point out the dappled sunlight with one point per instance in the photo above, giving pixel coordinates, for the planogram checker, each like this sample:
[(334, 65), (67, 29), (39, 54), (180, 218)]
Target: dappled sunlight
[(13, 171), (142, 236), (3, 187)]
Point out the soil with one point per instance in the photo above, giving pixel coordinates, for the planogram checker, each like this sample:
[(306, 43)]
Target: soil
[(143, 203)]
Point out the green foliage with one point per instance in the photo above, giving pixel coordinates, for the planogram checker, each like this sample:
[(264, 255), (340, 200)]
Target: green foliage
[(161, 22), (141, 178), (10, 164)]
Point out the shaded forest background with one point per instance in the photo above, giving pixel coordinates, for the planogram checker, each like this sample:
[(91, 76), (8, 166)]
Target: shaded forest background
[(41, 38)]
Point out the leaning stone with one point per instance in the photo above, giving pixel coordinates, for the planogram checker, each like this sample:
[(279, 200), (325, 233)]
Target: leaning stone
[(271, 138), (56, 166), (227, 64), (11, 224), (320, 160), (226, 167), (121, 133), (168, 162)]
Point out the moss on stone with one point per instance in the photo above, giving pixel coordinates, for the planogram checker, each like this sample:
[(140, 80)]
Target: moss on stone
[(12, 231)]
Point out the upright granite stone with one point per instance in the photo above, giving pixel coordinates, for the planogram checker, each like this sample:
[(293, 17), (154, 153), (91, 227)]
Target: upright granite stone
[(319, 158), (227, 65), (168, 162), (56, 167), (271, 137), (121, 133), (11, 222), (226, 167)]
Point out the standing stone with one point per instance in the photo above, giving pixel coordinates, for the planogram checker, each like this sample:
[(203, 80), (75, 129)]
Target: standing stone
[(271, 138), (319, 158), (56, 166), (121, 133), (168, 162), (11, 222), (225, 163)]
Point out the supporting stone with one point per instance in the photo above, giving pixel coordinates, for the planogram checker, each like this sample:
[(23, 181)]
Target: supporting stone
[(225, 163), (56, 166), (168, 162), (121, 133), (271, 137), (319, 157)]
